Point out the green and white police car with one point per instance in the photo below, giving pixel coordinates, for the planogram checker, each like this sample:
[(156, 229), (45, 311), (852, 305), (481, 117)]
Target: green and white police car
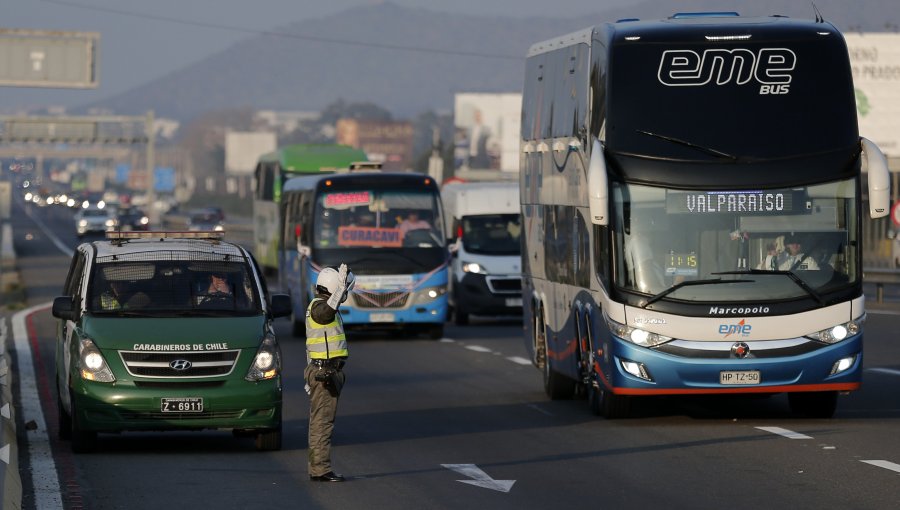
[(167, 331)]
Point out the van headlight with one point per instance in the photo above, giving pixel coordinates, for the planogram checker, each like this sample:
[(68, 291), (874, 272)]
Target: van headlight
[(636, 336), (429, 294), (267, 362), (474, 268), (837, 333), (92, 364)]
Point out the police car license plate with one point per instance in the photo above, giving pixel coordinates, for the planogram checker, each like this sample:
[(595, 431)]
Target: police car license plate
[(381, 317), (182, 405), (513, 301), (740, 377)]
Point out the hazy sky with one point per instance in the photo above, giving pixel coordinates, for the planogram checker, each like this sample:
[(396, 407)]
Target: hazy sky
[(143, 40)]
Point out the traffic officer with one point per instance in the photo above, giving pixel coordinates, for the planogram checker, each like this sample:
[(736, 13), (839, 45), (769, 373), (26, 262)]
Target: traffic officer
[(326, 352)]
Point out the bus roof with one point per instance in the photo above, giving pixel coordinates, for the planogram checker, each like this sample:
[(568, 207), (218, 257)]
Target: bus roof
[(314, 158)]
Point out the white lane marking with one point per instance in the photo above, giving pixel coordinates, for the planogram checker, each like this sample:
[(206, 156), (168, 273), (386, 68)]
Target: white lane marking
[(59, 244), (883, 464), (883, 312), (479, 477), (790, 434), (520, 360), (539, 409), (478, 348), (43, 468), (447, 341), (890, 371)]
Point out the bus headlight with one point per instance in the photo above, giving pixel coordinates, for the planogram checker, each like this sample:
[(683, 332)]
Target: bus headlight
[(636, 336), (837, 333), (267, 363), (474, 268), (92, 364), (429, 294)]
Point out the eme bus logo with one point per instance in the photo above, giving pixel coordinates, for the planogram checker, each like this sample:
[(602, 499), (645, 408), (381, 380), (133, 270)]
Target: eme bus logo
[(771, 68), (741, 328)]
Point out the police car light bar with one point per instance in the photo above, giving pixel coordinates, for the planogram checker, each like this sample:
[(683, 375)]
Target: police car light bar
[(166, 234)]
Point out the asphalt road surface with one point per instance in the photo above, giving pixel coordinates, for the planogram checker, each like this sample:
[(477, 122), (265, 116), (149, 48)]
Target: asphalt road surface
[(463, 423)]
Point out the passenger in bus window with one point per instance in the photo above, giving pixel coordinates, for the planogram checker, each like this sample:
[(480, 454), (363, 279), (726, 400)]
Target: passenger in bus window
[(771, 260)]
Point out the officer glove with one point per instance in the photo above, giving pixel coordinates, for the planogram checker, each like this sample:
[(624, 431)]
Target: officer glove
[(335, 300), (342, 275)]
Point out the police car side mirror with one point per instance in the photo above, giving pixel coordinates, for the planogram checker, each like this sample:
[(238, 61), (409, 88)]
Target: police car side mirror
[(64, 308), (281, 305)]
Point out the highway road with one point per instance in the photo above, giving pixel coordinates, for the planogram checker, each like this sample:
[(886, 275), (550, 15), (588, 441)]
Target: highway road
[(462, 423)]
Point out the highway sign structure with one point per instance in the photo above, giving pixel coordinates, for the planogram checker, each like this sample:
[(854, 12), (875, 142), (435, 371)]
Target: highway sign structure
[(46, 58)]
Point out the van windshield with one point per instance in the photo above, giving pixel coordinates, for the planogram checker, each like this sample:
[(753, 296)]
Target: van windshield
[(492, 234)]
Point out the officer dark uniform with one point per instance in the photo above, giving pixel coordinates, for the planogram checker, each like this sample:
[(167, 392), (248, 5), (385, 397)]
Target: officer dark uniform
[(326, 351)]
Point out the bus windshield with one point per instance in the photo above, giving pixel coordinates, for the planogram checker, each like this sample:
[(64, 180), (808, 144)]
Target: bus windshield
[(369, 218), (737, 245)]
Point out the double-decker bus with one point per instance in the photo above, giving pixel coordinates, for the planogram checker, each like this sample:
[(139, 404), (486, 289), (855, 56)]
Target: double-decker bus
[(387, 227), (692, 192), (272, 170)]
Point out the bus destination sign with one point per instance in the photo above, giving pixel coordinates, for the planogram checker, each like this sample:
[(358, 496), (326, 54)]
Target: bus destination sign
[(775, 202)]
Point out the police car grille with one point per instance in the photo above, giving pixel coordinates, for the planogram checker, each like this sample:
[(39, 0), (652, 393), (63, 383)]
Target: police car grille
[(163, 364), (393, 299)]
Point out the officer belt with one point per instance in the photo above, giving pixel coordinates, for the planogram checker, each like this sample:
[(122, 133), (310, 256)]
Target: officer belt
[(337, 363)]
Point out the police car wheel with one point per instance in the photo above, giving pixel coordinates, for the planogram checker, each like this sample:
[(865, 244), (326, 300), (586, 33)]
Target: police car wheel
[(83, 441), (269, 440), (64, 420)]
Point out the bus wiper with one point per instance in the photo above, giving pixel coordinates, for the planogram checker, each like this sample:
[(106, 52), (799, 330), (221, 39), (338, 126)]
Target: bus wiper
[(790, 274), (687, 283), (700, 148)]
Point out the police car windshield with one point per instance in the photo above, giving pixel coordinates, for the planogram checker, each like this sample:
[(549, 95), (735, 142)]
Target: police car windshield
[(172, 287)]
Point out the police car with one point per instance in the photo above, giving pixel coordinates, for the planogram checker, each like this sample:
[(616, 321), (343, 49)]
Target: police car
[(167, 331)]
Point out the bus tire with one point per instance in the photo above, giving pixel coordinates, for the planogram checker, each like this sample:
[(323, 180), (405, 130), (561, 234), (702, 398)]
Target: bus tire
[(814, 404), (460, 318), (556, 385), (436, 331)]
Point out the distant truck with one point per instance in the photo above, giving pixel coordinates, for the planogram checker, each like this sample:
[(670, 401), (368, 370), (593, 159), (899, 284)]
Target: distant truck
[(483, 220)]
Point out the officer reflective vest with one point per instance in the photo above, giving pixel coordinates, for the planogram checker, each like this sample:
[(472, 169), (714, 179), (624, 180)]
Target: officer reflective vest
[(325, 341)]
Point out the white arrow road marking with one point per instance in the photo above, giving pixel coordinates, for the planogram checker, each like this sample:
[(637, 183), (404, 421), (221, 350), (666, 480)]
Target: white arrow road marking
[(4, 411), (520, 360), (479, 477), (4, 454), (477, 348)]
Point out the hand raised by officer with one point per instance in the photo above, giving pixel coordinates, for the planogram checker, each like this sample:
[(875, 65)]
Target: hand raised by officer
[(342, 275)]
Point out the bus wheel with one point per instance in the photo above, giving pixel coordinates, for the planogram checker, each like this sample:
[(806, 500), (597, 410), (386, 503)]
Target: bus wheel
[(460, 318), (435, 331), (814, 404), (606, 404), (556, 385)]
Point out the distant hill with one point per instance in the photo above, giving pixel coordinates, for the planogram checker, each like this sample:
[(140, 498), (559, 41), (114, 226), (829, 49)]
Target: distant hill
[(459, 53)]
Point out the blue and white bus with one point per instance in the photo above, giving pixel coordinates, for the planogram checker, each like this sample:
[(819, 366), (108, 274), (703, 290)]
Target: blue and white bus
[(387, 227), (692, 191)]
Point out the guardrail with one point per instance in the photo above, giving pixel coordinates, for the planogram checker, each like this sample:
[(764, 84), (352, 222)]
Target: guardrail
[(881, 277)]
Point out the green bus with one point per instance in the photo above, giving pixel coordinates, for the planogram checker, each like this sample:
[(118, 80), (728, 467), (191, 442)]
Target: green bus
[(272, 170)]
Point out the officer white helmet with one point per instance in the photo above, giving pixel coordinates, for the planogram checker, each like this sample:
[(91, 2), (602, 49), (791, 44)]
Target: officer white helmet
[(328, 280)]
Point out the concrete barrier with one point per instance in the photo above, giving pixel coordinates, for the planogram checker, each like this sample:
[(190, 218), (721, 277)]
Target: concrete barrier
[(13, 294)]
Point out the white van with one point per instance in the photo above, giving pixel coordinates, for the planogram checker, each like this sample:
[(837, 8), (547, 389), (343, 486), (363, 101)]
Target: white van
[(483, 220)]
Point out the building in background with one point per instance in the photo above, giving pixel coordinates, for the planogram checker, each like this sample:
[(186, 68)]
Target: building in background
[(875, 60), (242, 150), (388, 142)]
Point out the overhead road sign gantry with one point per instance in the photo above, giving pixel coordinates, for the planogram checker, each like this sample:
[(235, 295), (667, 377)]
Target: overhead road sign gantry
[(48, 58)]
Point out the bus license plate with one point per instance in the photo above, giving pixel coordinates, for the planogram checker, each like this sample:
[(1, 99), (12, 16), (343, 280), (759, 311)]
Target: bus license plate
[(182, 405), (739, 377), (513, 301), (381, 317)]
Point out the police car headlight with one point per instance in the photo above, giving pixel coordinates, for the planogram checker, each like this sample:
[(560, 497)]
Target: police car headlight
[(474, 268), (82, 223), (92, 364), (636, 336), (429, 294), (267, 363), (837, 333)]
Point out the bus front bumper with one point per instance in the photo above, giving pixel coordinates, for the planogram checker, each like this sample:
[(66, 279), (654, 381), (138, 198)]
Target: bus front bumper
[(633, 370)]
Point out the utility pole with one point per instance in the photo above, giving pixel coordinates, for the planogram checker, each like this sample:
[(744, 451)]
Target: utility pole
[(150, 132)]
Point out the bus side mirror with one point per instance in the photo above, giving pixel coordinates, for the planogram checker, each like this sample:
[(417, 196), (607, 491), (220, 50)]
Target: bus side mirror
[(879, 179), (598, 187)]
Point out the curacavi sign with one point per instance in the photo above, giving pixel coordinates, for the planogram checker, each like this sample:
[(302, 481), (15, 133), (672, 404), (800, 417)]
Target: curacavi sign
[(769, 68)]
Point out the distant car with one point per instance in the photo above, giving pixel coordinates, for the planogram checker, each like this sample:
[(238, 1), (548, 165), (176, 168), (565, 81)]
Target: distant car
[(132, 218), (93, 219), (205, 220)]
